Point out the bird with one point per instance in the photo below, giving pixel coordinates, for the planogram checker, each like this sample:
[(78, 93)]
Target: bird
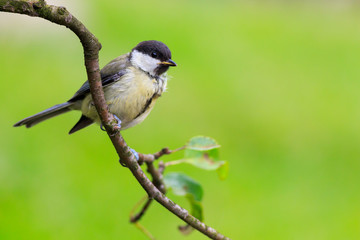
[(131, 82)]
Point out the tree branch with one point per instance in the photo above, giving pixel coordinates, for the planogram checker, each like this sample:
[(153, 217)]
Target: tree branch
[(152, 157), (59, 15)]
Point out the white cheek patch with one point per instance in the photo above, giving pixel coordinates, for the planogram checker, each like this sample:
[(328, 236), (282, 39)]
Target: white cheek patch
[(144, 62)]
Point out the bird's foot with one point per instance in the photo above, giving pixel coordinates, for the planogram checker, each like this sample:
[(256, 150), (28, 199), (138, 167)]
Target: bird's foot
[(136, 155), (118, 125)]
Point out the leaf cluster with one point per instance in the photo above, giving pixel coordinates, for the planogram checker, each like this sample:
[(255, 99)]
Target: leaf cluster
[(201, 152)]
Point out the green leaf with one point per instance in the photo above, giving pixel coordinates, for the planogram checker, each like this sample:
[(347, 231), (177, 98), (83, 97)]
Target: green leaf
[(211, 154), (223, 170), (202, 143), (196, 208), (222, 167), (183, 185), (203, 152)]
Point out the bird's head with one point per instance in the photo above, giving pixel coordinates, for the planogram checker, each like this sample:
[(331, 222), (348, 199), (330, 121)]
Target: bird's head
[(153, 57)]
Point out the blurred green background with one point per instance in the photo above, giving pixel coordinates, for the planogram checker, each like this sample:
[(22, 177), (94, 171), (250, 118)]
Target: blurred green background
[(276, 83)]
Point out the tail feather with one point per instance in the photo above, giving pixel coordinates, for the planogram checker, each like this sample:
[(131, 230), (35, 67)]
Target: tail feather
[(44, 115), (83, 122)]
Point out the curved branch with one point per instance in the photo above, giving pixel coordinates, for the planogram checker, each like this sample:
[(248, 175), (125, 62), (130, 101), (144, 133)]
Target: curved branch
[(91, 45)]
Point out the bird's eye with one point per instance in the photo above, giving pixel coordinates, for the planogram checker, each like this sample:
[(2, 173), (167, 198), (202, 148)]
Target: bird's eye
[(154, 54)]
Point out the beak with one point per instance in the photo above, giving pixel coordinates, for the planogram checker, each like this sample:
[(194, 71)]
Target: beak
[(169, 62)]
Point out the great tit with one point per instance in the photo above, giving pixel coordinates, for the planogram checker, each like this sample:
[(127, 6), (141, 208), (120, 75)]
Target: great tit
[(132, 83)]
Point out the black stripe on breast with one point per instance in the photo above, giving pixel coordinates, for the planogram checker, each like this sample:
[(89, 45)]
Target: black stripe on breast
[(147, 105)]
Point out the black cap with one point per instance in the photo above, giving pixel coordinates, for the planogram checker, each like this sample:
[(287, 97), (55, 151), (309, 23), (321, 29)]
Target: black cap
[(155, 49)]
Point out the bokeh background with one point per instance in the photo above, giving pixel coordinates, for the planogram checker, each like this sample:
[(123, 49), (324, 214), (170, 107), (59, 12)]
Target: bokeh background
[(276, 83)]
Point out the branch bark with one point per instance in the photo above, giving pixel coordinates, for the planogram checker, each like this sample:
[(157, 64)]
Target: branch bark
[(91, 46)]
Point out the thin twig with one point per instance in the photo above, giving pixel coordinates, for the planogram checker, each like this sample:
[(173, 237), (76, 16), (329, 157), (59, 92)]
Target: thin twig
[(175, 162), (144, 230), (157, 177), (152, 157), (138, 216)]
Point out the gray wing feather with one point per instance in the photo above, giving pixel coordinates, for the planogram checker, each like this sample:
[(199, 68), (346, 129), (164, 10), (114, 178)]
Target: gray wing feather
[(111, 73)]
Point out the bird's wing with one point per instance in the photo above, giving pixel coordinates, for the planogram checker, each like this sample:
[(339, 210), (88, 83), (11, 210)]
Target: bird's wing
[(111, 73)]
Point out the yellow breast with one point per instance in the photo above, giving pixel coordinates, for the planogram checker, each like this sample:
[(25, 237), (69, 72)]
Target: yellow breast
[(131, 98)]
